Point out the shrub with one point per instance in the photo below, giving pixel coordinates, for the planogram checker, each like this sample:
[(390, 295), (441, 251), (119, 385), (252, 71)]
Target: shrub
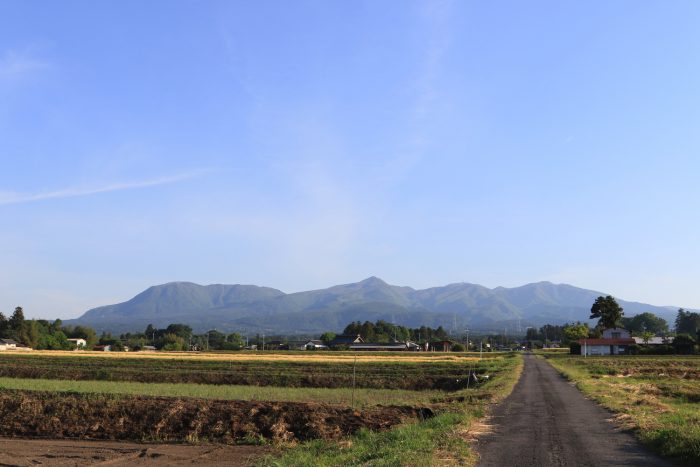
[(684, 344)]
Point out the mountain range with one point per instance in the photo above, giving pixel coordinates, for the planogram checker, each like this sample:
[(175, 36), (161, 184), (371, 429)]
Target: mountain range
[(253, 309)]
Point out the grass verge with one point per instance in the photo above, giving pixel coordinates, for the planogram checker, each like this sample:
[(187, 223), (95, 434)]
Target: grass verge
[(441, 440)]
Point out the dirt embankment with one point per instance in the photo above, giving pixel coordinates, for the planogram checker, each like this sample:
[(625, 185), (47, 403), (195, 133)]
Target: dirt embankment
[(103, 417), (78, 453)]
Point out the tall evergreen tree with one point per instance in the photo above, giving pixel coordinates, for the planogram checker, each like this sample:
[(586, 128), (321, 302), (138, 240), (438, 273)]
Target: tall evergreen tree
[(4, 325), (16, 322), (608, 312), (687, 322)]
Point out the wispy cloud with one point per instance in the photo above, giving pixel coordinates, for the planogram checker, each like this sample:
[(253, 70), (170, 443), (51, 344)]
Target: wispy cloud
[(16, 63), (434, 20), (436, 16), (74, 192)]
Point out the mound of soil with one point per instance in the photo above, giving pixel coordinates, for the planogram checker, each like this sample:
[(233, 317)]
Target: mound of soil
[(106, 417)]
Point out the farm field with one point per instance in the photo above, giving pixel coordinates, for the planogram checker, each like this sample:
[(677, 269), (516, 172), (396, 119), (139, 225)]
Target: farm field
[(276, 356), (295, 403), (656, 396), (362, 397), (403, 371)]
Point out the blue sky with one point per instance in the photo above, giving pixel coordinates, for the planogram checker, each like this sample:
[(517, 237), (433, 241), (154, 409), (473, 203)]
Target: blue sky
[(308, 143)]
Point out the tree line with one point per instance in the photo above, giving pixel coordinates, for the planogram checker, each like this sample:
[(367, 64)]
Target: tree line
[(179, 336), (382, 332), (42, 334)]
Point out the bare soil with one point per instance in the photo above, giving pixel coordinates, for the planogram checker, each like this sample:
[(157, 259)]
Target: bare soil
[(34, 414), (54, 453)]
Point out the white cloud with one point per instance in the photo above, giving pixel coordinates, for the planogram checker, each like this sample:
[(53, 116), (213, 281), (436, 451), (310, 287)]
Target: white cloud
[(73, 192)]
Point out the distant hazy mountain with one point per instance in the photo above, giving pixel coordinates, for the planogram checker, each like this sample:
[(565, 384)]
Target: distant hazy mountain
[(252, 309)]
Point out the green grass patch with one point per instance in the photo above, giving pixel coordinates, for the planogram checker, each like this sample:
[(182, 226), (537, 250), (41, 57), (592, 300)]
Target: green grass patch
[(433, 442), (362, 398)]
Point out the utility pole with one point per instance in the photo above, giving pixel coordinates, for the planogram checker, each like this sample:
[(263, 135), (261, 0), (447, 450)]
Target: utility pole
[(545, 335), (354, 367), (467, 330), (263, 342)]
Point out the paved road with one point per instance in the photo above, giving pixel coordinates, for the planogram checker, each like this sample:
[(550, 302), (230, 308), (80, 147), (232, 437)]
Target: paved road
[(546, 421)]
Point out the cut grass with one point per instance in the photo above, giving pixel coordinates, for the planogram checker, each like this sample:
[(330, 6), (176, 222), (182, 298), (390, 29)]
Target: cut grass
[(363, 397), (662, 409)]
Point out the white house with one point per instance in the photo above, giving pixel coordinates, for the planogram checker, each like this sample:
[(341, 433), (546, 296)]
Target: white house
[(79, 343), (314, 344), (613, 342), (8, 344), (616, 333)]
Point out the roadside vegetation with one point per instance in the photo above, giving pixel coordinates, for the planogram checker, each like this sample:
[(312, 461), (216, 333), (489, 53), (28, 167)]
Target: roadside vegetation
[(658, 397), (440, 440)]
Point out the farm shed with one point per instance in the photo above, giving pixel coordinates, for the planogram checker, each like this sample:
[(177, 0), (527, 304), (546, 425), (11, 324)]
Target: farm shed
[(441, 346), (605, 346), (656, 340), (390, 346), (346, 339)]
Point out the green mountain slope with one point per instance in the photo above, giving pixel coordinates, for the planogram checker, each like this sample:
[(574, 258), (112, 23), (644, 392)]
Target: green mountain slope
[(252, 309)]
